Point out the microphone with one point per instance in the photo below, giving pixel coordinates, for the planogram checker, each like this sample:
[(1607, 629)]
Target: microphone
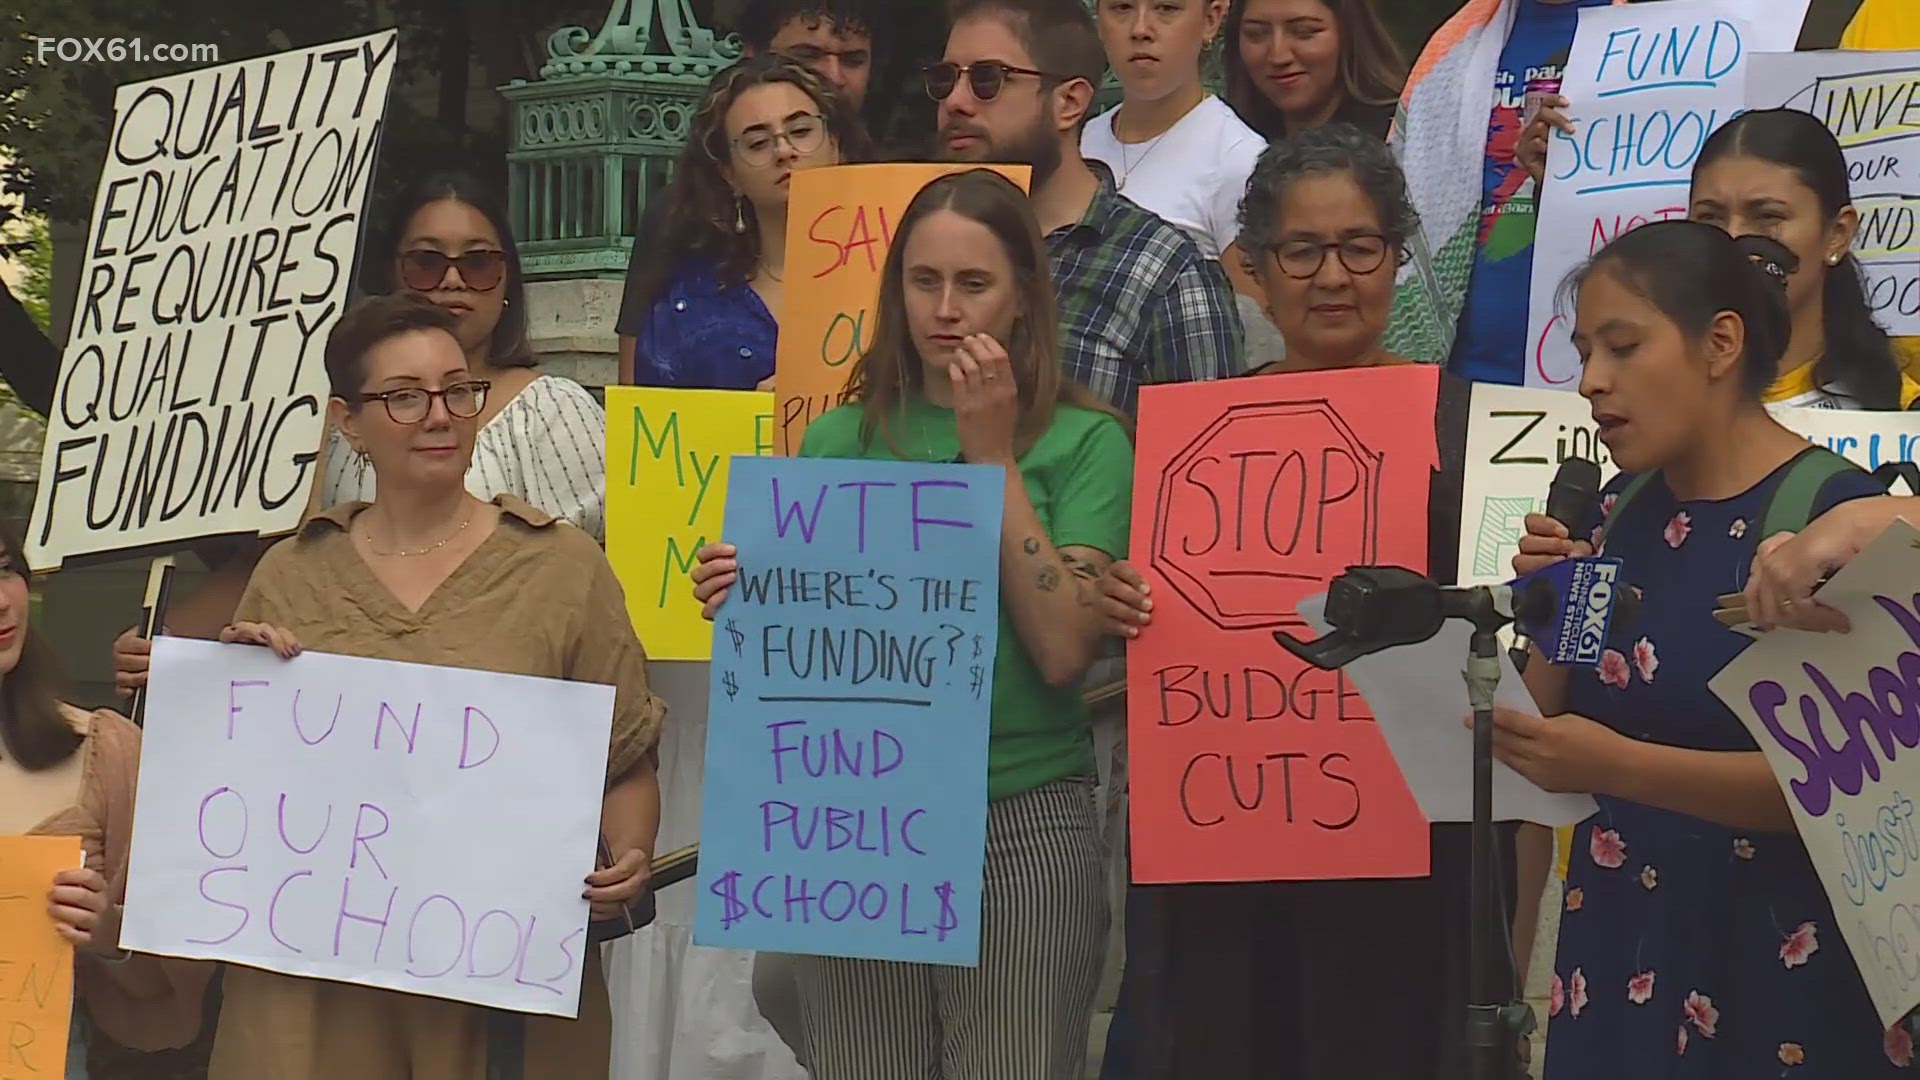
[(1572, 498), (1575, 609)]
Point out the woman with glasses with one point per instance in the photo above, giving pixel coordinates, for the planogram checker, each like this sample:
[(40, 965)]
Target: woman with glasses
[(1248, 968), (705, 311), (429, 573)]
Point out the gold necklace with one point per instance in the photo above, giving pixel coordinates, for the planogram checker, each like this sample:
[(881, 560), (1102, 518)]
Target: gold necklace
[(443, 542)]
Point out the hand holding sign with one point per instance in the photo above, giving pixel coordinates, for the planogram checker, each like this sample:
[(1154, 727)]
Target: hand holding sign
[(36, 966)]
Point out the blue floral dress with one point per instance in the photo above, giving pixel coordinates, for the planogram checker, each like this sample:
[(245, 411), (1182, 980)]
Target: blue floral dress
[(1687, 949)]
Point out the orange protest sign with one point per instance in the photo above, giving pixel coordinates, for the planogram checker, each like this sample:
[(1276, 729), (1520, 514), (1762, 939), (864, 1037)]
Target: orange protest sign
[(1249, 496), (839, 228), (36, 963)]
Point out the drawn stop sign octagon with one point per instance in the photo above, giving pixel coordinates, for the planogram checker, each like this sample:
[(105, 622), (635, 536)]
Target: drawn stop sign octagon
[(1264, 507)]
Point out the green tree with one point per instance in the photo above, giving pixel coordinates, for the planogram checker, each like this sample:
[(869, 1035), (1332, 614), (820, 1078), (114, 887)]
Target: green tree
[(35, 255)]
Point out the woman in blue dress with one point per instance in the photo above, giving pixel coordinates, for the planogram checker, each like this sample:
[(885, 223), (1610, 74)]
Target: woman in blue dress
[(1696, 941), (703, 310)]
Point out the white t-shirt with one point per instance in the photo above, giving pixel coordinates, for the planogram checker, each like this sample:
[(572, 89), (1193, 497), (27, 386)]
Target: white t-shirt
[(1194, 174), (548, 447)]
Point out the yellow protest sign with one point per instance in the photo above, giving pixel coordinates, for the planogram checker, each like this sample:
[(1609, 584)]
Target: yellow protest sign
[(667, 455), (839, 228), (36, 963)]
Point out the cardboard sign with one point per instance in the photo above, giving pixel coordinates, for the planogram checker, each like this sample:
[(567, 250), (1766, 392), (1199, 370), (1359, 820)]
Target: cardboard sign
[(36, 963), (192, 394), (1517, 437), (667, 461), (1251, 495), (1838, 716), (415, 828), (845, 809), (1871, 103), (840, 224), (1648, 84)]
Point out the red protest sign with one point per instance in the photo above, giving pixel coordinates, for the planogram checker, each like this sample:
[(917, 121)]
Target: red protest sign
[(1250, 495)]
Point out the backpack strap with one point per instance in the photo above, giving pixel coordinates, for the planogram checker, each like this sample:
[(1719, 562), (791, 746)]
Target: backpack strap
[(1892, 471), (1790, 507)]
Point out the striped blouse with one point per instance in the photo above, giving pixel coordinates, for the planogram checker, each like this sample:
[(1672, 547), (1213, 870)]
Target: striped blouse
[(547, 447)]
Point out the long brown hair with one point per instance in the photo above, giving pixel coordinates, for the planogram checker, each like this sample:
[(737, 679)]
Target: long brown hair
[(891, 370), (32, 727), (700, 208), (1373, 68)]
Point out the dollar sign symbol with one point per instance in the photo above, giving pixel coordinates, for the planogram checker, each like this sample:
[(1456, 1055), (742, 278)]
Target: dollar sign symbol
[(948, 921), (731, 684), (734, 635), (976, 639), (977, 673), (728, 890)]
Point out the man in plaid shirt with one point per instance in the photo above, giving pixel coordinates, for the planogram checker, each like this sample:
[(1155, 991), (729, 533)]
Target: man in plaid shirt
[(1139, 302)]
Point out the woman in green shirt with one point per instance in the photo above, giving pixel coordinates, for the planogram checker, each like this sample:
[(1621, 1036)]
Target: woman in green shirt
[(964, 368)]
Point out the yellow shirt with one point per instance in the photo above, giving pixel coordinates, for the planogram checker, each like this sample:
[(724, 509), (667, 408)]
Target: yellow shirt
[(1889, 24), (1797, 387)]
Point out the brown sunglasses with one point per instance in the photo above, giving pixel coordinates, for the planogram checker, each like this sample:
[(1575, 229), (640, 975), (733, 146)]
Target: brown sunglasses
[(424, 270)]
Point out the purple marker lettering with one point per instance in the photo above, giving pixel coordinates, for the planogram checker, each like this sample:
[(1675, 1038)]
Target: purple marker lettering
[(759, 907), (233, 707), (899, 754), (466, 737), (906, 907), (460, 945), (792, 513), (407, 733), (905, 837), (359, 838), (860, 517), (566, 953), (207, 844), (520, 965), (273, 909), (298, 730), (873, 888), (827, 893), (346, 886), (245, 915), (768, 822), (948, 920), (473, 954), (293, 847), (779, 748), (919, 521), (804, 898)]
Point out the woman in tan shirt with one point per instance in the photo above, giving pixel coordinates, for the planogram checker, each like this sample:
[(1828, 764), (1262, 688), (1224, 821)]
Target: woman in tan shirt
[(427, 573), (65, 772)]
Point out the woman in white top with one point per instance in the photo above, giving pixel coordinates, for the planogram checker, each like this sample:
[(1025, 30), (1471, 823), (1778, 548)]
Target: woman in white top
[(542, 437), (1175, 149)]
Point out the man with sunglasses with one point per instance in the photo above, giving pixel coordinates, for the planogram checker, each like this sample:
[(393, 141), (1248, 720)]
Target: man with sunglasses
[(1139, 302)]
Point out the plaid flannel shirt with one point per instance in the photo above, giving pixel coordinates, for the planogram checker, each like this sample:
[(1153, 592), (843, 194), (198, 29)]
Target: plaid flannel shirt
[(1139, 302)]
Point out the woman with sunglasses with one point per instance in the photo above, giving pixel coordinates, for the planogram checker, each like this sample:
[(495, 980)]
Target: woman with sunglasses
[(429, 573), (704, 311)]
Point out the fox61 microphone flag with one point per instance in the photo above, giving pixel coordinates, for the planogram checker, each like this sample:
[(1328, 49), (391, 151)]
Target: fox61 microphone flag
[(1569, 608)]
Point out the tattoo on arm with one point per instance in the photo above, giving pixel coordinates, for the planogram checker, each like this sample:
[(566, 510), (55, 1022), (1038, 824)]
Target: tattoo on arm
[(1031, 547), (1086, 578), (1048, 579)]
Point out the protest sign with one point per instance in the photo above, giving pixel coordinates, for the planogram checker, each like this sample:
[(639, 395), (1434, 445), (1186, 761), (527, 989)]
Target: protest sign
[(1838, 716), (1518, 436), (845, 807), (192, 393), (840, 224), (36, 963), (1249, 496), (1648, 83), (421, 829), (1871, 103), (667, 461)]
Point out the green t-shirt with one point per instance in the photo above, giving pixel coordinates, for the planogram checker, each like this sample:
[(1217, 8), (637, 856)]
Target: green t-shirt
[(1079, 475)]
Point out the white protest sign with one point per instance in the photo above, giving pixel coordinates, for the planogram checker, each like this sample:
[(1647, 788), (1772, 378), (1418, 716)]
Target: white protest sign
[(1871, 103), (192, 392), (1518, 436), (421, 829), (1648, 83), (1838, 716)]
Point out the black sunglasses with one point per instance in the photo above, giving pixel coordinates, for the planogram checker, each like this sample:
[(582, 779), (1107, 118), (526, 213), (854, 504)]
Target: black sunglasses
[(984, 77), (424, 269)]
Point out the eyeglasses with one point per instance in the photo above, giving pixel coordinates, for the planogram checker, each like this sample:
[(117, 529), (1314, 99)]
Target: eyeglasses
[(984, 77), (805, 133), (425, 269), (464, 400), (1302, 259)]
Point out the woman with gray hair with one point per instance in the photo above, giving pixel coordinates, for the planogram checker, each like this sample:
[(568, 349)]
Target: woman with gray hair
[(1299, 980)]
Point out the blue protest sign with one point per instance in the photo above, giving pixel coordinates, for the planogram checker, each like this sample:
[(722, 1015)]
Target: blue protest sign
[(845, 802)]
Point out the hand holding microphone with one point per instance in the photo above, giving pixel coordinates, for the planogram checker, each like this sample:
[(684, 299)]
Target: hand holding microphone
[(1572, 498)]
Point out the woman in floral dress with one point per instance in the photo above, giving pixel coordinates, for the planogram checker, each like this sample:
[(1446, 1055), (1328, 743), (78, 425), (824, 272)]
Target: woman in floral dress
[(1697, 941)]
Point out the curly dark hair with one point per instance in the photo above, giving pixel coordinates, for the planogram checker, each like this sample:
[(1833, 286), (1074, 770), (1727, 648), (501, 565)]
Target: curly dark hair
[(698, 219), (1330, 148), (760, 20)]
